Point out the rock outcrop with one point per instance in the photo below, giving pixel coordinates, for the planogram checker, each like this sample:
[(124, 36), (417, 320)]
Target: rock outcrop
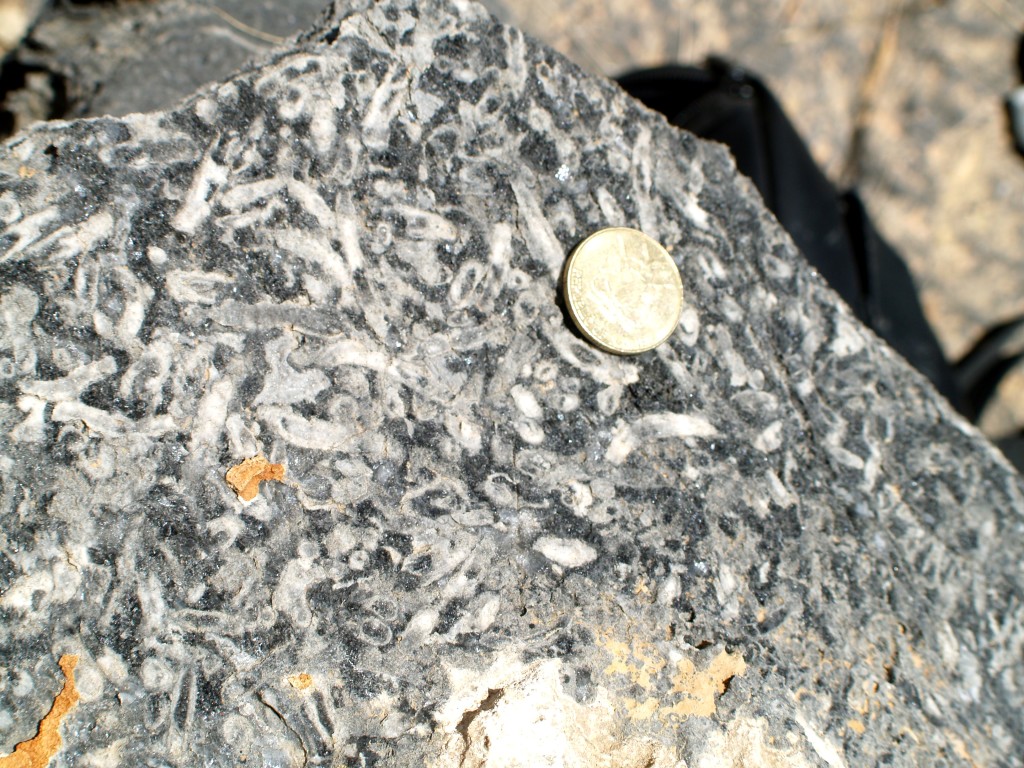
[(767, 542)]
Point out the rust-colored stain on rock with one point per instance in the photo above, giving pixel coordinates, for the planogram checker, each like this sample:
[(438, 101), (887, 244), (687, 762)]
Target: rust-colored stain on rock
[(245, 478), (301, 681), (37, 751)]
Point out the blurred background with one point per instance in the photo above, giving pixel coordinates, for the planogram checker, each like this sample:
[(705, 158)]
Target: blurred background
[(904, 99)]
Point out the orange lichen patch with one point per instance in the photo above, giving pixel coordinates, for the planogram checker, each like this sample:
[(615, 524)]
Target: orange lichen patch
[(693, 691), (641, 663), (301, 681), (37, 751), (641, 710), (245, 478), (25, 172), (856, 726), (698, 688)]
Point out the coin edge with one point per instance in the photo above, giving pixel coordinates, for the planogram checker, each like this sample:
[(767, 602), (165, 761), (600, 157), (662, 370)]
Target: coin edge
[(578, 322)]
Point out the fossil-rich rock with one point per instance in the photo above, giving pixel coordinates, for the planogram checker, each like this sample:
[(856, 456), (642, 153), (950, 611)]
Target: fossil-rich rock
[(768, 542)]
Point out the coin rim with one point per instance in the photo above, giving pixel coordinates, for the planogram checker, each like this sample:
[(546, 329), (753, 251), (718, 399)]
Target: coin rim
[(582, 327)]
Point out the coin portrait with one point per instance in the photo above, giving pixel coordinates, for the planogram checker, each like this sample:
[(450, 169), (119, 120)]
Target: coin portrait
[(623, 291)]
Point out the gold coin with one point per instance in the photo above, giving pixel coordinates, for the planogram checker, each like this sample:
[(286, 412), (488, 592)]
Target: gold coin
[(623, 291)]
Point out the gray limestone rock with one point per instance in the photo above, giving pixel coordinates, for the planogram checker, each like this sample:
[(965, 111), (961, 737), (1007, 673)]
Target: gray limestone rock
[(767, 542), (116, 58)]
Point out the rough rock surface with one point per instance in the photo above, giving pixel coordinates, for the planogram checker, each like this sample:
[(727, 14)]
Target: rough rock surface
[(904, 99), (121, 57), (768, 542)]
